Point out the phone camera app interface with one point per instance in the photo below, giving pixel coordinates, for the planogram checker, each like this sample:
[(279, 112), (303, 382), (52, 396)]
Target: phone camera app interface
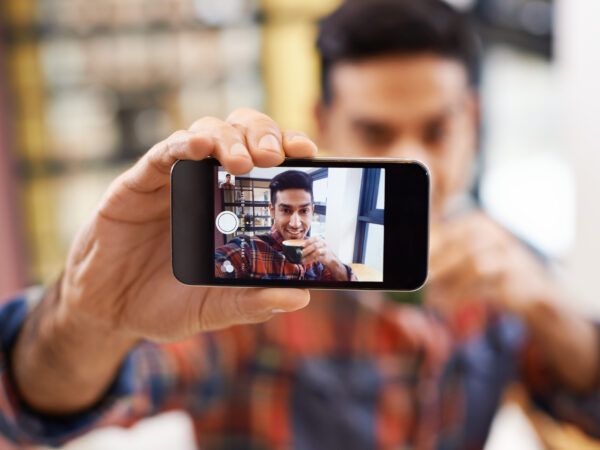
[(301, 223)]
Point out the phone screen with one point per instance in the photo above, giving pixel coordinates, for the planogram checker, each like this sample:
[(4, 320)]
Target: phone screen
[(319, 223), (300, 223)]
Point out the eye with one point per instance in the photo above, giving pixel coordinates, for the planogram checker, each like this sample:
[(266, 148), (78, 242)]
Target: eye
[(435, 132), (375, 135)]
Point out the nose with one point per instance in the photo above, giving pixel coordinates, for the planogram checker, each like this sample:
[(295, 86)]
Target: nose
[(295, 220), (408, 147)]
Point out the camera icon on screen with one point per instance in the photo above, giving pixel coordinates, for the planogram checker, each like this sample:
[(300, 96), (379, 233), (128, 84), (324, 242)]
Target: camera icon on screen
[(227, 222)]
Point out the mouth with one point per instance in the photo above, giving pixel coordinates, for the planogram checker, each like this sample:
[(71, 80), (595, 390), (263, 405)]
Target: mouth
[(296, 234)]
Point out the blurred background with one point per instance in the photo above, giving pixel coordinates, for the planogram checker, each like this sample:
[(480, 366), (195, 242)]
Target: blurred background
[(87, 87)]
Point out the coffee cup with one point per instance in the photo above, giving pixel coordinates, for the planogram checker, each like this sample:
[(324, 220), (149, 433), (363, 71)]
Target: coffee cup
[(292, 249)]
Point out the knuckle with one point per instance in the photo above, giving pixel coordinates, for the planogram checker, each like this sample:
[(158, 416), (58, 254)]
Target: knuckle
[(179, 134), (242, 112), (164, 145), (207, 123), (243, 115), (263, 127), (252, 121)]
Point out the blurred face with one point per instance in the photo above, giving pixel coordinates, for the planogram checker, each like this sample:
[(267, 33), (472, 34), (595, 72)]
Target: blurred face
[(411, 107), (292, 213)]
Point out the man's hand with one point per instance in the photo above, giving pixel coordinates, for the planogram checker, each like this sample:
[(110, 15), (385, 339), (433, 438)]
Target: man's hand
[(472, 258), (316, 250), (118, 286)]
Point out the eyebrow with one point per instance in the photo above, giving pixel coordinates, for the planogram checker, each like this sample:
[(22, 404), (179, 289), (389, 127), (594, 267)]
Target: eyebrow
[(371, 123), (447, 111), (285, 205)]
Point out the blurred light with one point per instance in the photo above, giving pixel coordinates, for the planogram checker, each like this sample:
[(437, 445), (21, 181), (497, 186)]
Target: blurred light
[(463, 5), (151, 125), (82, 124), (220, 12), (535, 198), (197, 99), (63, 61)]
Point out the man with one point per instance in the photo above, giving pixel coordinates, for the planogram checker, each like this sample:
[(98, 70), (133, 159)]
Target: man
[(347, 371), (227, 184), (291, 208)]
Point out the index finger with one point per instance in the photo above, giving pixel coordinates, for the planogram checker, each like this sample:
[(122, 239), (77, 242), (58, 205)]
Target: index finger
[(267, 144), (298, 145), (310, 246), (153, 170)]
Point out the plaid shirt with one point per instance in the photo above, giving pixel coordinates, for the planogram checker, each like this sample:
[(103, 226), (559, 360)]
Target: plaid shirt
[(342, 373), (262, 257)]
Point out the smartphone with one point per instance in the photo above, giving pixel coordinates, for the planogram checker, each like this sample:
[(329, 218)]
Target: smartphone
[(324, 223)]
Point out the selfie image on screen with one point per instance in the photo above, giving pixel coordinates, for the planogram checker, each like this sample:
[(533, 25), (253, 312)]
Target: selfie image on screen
[(301, 223)]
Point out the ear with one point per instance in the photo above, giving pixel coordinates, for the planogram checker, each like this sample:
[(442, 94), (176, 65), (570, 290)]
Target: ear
[(272, 211), (474, 111), (320, 114)]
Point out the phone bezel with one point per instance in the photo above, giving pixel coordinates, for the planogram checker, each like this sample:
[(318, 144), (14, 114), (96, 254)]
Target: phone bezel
[(193, 185)]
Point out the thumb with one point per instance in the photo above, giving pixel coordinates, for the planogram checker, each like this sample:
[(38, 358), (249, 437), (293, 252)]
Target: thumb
[(225, 307), (275, 300)]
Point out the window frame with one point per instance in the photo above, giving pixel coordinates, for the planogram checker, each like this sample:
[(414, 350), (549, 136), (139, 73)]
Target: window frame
[(367, 211)]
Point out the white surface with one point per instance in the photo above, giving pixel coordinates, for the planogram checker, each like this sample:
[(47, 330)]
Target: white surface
[(512, 430), (535, 197), (578, 61), (342, 209), (173, 430), (528, 182), (374, 247)]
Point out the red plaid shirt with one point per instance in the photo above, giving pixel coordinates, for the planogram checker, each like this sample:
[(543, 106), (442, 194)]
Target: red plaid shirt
[(262, 257), (343, 373)]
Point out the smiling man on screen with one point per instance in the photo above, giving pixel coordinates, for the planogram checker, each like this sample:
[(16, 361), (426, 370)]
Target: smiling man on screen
[(262, 256)]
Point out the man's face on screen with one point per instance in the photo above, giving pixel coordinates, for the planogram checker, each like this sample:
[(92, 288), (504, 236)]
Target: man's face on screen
[(412, 107), (292, 213)]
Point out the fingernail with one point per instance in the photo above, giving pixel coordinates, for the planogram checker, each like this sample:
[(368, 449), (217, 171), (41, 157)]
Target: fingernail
[(238, 149), (269, 142), (277, 310), (299, 138), (304, 140)]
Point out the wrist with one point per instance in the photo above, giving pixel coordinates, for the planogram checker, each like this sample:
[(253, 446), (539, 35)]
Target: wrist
[(339, 268), (72, 327), (62, 361), (569, 343)]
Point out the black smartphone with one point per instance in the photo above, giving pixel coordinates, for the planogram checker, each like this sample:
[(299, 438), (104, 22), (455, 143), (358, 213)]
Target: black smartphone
[(325, 223)]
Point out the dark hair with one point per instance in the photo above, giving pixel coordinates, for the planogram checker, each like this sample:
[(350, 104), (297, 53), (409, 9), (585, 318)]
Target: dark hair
[(361, 29), (291, 179), (228, 175)]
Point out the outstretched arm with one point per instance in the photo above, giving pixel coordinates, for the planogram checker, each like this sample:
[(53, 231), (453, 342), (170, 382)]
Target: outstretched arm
[(118, 287)]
